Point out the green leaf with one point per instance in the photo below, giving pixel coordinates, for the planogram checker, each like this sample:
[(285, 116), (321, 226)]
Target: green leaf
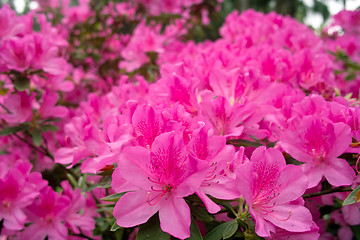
[(114, 197), (36, 137), (3, 91), (81, 182), (201, 214), (114, 227), (21, 83), (11, 130), (217, 233), (353, 197), (230, 229), (243, 142), (350, 76), (72, 180), (105, 182), (194, 231), (49, 127), (151, 230)]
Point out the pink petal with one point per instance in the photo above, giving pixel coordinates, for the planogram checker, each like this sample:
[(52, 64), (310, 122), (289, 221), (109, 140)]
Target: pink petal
[(339, 173), (293, 184), (16, 219), (292, 144), (192, 183), (175, 217), (209, 204), (272, 156), (345, 233), (132, 166), (55, 66), (119, 184), (262, 227), (33, 232), (133, 209), (342, 140), (293, 218), (64, 155), (225, 189), (313, 173), (59, 231), (351, 213), (244, 176)]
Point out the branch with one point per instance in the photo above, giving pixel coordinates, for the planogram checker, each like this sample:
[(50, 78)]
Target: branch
[(5, 108), (328, 191)]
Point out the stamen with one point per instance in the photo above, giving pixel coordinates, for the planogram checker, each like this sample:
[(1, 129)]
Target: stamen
[(156, 190), (157, 198), (283, 220), (226, 170), (211, 172), (153, 181), (357, 164)]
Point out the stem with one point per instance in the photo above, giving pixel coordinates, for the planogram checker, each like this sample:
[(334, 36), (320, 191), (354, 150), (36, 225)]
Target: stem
[(328, 191), (42, 151), (241, 207), (5, 108), (229, 207)]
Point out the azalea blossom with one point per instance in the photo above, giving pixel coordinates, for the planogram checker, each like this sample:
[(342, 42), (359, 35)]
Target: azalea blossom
[(269, 186), (157, 180), (319, 145), (18, 189), (213, 149)]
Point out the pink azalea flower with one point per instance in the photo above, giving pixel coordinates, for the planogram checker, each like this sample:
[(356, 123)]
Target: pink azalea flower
[(115, 135), (172, 88), (18, 189), (213, 149), (46, 56), (78, 217), (269, 185), (47, 215), (147, 124), (48, 108), (83, 135), (17, 53), (319, 144), (160, 178), (225, 119), (20, 107), (144, 39), (9, 23)]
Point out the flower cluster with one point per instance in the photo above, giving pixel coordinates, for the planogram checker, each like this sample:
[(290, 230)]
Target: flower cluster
[(110, 102)]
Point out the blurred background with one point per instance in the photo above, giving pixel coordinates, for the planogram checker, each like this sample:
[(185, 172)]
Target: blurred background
[(314, 13)]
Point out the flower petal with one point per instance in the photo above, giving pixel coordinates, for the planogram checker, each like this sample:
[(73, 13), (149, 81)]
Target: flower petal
[(339, 173), (210, 205), (293, 184), (175, 217), (133, 209), (293, 218)]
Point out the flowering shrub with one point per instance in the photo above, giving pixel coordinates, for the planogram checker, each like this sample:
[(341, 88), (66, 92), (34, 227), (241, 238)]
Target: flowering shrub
[(115, 124)]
